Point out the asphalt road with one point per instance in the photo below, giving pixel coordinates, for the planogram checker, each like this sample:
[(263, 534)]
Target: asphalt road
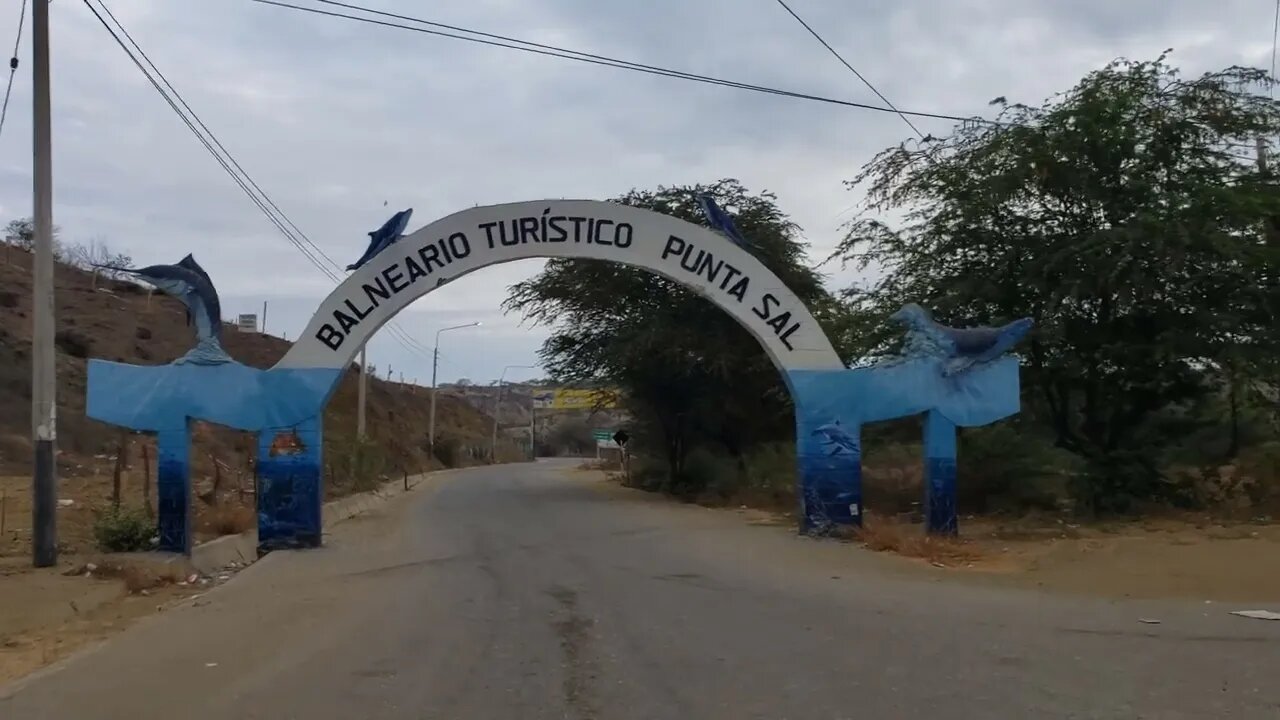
[(537, 592)]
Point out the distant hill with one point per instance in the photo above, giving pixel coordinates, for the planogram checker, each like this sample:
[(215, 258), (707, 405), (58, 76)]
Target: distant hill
[(116, 320)]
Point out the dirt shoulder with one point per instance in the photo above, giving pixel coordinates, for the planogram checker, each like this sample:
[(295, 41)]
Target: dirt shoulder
[(1175, 557), (1167, 558), (52, 613)]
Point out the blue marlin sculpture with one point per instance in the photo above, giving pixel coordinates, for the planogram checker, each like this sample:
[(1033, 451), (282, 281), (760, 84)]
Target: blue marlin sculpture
[(188, 282), (382, 238), (958, 348), (721, 221)]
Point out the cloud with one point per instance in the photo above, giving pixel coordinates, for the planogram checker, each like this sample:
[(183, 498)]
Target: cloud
[(343, 123)]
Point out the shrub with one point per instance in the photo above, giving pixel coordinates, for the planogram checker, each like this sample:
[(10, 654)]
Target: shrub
[(73, 343), (121, 529), (1010, 467), (448, 451), (707, 472)]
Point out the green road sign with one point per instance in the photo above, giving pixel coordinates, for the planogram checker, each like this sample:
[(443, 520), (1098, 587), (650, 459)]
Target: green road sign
[(602, 434)]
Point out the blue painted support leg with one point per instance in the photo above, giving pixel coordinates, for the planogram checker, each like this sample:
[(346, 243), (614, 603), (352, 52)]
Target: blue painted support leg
[(828, 473), (940, 475), (290, 486), (173, 489)]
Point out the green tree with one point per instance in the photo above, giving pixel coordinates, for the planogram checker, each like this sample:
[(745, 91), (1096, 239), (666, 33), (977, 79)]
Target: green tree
[(21, 233), (1126, 216), (689, 372)]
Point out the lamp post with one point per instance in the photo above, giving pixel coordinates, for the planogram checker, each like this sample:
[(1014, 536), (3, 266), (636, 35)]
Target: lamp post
[(497, 404), (435, 363)]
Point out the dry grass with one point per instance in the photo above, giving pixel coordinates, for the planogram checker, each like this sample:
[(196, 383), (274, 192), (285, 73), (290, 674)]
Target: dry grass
[(600, 465), (137, 577), (884, 535), (232, 519)]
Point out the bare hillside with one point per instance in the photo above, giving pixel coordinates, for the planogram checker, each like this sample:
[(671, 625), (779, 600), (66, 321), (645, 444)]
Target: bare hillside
[(118, 321)]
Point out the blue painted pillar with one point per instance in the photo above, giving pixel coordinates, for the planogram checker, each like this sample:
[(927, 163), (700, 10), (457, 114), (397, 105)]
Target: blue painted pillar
[(290, 486), (940, 475), (173, 488), (828, 474)]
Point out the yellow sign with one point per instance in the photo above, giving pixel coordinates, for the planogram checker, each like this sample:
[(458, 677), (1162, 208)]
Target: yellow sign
[(576, 399)]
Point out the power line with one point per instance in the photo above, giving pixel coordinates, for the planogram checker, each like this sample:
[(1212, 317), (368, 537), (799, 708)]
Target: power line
[(208, 145), (844, 62), (267, 198), (300, 241), (559, 52), (13, 65)]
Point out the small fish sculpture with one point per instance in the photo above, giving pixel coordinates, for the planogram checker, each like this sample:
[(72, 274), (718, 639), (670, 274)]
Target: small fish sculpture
[(721, 221), (382, 238)]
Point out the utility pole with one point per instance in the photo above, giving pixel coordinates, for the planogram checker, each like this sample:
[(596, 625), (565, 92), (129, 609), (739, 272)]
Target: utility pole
[(362, 394), (497, 406), (264, 317), (431, 424), (44, 430), (1270, 225), (435, 364), (533, 445)]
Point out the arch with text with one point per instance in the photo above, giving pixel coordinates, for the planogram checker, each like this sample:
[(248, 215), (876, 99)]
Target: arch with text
[(955, 378), (700, 259)]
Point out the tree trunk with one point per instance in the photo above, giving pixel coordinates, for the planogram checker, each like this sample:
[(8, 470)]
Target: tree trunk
[(1233, 398)]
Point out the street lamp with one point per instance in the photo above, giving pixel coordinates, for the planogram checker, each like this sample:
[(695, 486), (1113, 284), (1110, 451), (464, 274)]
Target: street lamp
[(435, 364), (497, 403)]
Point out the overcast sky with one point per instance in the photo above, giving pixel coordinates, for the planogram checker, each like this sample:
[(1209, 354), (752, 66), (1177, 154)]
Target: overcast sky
[(342, 123)]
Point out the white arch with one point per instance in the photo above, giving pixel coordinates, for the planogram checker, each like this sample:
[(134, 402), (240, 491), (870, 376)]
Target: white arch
[(701, 260)]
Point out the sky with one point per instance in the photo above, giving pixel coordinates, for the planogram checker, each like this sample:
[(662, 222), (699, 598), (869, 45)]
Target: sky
[(343, 123)]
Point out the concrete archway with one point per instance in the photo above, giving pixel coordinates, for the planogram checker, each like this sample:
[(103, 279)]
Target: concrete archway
[(701, 260), (285, 404), (704, 261)]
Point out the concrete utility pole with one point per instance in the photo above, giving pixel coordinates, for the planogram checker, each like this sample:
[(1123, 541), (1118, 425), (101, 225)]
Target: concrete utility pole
[(497, 406), (362, 393), (435, 365), (44, 418), (533, 445)]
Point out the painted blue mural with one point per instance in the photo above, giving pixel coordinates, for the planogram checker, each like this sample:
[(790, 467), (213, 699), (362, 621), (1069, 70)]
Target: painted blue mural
[(207, 384), (173, 488), (954, 377)]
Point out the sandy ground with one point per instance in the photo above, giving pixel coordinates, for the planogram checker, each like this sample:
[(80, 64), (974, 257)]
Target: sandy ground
[(82, 495), (48, 614), (1168, 558), (25, 651)]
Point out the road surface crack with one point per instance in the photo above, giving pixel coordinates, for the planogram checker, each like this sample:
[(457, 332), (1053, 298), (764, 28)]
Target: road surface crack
[(573, 629)]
